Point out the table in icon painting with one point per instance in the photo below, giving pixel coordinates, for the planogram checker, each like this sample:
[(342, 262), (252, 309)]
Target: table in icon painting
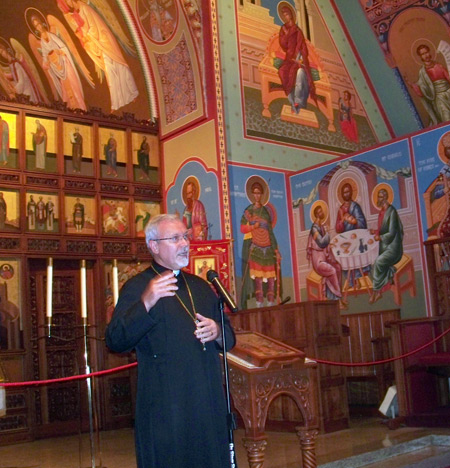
[(355, 250)]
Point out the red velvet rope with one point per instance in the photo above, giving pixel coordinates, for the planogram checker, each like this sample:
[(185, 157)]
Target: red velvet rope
[(67, 379), (383, 361), (129, 366)]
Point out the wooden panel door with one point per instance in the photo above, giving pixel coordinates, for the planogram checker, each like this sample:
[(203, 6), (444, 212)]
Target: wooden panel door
[(59, 408)]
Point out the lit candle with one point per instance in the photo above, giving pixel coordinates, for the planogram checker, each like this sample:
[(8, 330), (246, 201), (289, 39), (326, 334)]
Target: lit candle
[(83, 289), (115, 282), (48, 311)]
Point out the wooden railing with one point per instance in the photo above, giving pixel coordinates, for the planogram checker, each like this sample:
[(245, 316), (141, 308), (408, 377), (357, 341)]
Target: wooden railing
[(422, 378), (367, 339)]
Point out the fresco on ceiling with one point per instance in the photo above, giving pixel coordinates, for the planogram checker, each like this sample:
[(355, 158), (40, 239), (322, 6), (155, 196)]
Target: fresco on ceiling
[(172, 32), (178, 82), (72, 51), (194, 15), (415, 40), (295, 87), (158, 18), (356, 231)]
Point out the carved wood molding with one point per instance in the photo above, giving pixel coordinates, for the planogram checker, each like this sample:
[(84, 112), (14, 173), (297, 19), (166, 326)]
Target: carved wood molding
[(307, 439), (293, 383), (13, 423), (45, 181), (114, 188), (43, 245), (93, 113), (63, 403), (141, 248), (255, 451), (9, 243), (120, 397), (79, 184), (13, 178), (82, 246), (266, 388), (240, 386), (117, 247), (16, 401), (146, 191)]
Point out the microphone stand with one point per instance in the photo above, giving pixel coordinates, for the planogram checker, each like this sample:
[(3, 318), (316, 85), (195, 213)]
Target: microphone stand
[(231, 417)]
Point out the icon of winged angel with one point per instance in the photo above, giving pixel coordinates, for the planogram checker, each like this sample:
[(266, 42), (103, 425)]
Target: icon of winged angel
[(56, 53), (18, 72), (103, 38)]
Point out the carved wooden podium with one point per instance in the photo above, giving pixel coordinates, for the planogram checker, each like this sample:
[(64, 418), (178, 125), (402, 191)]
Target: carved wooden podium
[(260, 370), (315, 328)]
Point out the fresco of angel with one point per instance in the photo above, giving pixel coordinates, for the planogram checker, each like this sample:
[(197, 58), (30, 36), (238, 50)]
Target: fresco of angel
[(57, 54), (18, 73), (90, 23)]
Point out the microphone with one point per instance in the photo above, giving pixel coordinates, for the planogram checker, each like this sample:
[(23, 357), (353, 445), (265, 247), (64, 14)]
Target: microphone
[(285, 300), (213, 278)]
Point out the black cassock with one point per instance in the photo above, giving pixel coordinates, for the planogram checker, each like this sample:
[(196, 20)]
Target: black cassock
[(181, 406)]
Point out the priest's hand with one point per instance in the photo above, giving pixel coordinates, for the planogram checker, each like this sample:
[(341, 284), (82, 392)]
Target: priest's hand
[(160, 286), (207, 330)]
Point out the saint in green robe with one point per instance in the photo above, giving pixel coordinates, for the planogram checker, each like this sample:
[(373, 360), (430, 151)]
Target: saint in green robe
[(390, 251)]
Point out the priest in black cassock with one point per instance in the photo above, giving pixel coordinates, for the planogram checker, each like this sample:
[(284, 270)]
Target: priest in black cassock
[(172, 320)]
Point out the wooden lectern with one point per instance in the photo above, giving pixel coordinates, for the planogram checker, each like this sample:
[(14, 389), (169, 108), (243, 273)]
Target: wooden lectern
[(260, 370), (315, 328)]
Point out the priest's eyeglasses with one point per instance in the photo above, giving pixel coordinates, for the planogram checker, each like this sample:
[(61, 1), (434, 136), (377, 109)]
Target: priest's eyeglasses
[(187, 236)]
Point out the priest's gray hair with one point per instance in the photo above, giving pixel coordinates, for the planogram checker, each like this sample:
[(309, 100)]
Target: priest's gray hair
[(152, 228)]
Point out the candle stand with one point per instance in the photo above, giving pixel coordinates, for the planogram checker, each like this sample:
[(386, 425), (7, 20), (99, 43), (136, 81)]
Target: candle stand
[(93, 426)]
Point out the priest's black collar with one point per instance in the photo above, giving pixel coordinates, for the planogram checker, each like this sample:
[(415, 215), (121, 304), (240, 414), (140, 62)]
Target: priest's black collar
[(161, 269)]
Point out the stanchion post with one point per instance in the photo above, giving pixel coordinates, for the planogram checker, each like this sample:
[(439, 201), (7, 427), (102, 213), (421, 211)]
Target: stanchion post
[(89, 390), (89, 380), (48, 310)]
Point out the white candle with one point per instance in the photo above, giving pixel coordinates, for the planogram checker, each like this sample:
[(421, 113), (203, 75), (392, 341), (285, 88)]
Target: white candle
[(115, 282), (48, 311), (83, 289)]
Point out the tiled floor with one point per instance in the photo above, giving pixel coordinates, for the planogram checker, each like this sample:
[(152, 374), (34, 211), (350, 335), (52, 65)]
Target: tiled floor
[(283, 450)]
